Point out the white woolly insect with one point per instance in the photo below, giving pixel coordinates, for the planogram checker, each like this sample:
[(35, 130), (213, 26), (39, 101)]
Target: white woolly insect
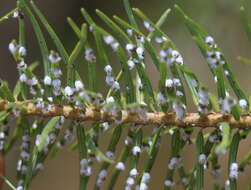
[(130, 47), (47, 80), (22, 51), (89, 56), (173, 163), (140, 52), (130, 181), (108, 39), (136, 150), (12, 47), (129, 31), (106, 126), (209, 40), (133, 172), (79, 85), (68, 91), (56, 83), (146, 177), (139, 83), (15, 14), (120, 166), (233, 171), (179, 93), (54, 58), (19, 188), (128, 140), (109, 80), (110, 155), (108, 69), (202, 159), (184, 180), (21, 66), (169, 83), (243, 103), (142, 186), (23, 78), (115, 46), (148, 26), (131, 64), (168, 183), (116, 85), (110, 100), (163, 53)]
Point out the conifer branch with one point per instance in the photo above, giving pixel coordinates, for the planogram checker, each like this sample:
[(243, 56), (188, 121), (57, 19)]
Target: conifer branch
[(151, 118)]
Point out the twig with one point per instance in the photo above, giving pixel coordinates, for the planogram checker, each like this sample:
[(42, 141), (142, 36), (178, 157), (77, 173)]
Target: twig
[(152, 118)]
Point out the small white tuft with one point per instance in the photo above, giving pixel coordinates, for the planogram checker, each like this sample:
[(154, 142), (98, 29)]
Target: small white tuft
[(140, 52), (168, 183), (47, 80), (115, 46), (12, 47), (130, 181), (202, 159), (108, 39), (169, 83), (108, 69), (79, 85), (146, 177), (133, 172), (130, 47), (120, 166), (136, 150), (243, 103), (131, 64), (23, 78), (68, 91), (110, 100), (22, 51), (233, 171)]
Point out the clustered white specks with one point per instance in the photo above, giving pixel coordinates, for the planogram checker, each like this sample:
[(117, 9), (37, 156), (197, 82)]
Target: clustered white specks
[(25, 75), (101, 177), (22, 163), (144, 181), (110, 155), (110, 79), (148, 26), (131, 179), (109, 40), (174, 162), (214, 57), (4, 133), (85, 167), (168, 183), (171, 56), (89, 55), (226, 104)]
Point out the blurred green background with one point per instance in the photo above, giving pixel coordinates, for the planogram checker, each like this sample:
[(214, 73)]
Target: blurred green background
[(220, 18)]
